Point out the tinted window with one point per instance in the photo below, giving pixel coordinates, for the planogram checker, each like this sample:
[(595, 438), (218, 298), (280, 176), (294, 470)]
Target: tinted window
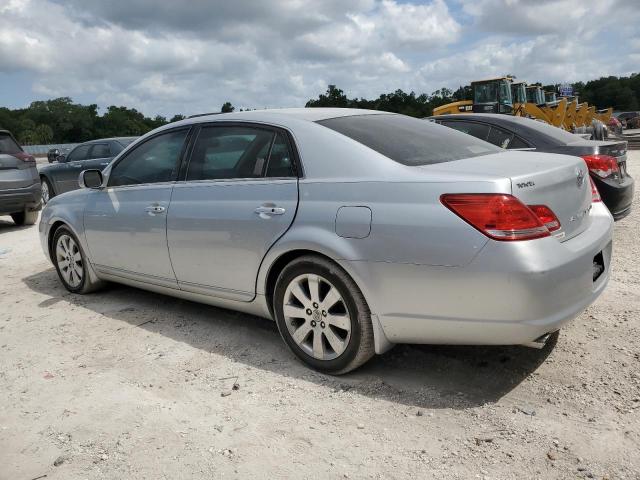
[(408, 140), (156, 160), (280, 160), (478, 130), (517, 142), (79, 153), (499, 137), (100, 150), (229, 152), (8, 144)]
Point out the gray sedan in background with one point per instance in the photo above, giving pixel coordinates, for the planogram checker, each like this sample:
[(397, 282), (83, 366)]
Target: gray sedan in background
[(352, 229), (62, 174)]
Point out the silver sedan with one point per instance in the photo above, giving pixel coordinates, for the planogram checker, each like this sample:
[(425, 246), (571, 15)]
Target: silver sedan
[(352, 229)]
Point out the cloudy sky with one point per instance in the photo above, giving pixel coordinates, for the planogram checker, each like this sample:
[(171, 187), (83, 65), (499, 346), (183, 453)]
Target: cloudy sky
[(167, 56)]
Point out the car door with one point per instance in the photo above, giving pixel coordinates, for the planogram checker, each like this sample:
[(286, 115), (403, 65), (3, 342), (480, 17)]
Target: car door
[(239, 195), (125, 222), (65, 175)]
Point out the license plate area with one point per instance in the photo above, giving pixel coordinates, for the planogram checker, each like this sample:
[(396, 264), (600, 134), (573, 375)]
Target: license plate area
[(598, 266)]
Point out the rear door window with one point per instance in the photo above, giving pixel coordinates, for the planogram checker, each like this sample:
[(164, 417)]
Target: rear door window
[(408, 140), (100, 150), (499, 137), (517, 142), (280, 159), (222, 152), (8, 145), (478, 130)]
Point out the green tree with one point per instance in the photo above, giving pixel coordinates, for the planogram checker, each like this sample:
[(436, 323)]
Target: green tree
[(227, 108)]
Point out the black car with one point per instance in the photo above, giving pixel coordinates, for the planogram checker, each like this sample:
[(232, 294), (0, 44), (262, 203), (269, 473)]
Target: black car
[(19, 185), (606, 160), (62, 174)]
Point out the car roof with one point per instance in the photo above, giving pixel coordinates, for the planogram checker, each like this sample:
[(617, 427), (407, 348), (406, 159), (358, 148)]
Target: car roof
[(110, 139), (527, 128), (281, 114)]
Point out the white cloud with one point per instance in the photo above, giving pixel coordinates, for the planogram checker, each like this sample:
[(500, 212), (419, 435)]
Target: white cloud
[(161, 57)]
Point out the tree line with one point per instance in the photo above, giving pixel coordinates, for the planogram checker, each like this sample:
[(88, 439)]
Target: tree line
[(61, 120)]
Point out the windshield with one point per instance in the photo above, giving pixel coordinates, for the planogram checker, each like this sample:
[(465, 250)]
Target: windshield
[(409, 141), (8, 145), (485, 92), (505, 93), (519, 93)]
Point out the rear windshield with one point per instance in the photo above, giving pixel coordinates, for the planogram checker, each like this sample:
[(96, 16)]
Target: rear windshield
[(8, 145), (409, 140)]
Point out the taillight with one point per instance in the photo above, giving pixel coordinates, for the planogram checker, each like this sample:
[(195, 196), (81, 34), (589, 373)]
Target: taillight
[(25, 157), (595, 194), (546, 216), (602, 165), (499, 216)]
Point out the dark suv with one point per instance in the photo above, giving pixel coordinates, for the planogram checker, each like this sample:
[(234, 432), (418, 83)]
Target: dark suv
[(20, 194)]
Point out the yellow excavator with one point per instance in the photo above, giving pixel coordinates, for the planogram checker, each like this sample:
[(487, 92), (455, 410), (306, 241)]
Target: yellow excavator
[(504, 95), (492, 95)]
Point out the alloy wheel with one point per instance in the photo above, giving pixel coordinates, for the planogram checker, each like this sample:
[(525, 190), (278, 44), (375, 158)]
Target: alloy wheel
[(317, 317), (45, 191), (69, 260)]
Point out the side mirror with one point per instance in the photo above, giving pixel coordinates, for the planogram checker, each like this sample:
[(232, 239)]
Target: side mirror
[(90, 179), (62, 158)]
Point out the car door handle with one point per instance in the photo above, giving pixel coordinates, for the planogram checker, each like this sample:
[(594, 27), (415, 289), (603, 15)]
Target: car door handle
[(154, 209), (267, 210)]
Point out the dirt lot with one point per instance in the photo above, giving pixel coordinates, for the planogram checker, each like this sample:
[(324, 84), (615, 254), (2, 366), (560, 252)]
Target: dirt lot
[(130, 384)]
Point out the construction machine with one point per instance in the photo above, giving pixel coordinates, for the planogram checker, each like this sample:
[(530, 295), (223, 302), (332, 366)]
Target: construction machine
[(489, 96)]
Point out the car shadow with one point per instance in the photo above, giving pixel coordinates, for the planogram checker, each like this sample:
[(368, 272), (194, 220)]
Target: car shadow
[(423, 376), (8, 225)]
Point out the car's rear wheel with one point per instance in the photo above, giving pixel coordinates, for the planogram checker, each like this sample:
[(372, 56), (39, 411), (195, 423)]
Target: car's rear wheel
[(47, 191), (71, 263), (25, 218), (322, 315)]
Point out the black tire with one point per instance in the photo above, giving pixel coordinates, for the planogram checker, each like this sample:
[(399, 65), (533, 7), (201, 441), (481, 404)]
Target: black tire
[(86, 285), (45, 181), (360, 346), (25, 218)]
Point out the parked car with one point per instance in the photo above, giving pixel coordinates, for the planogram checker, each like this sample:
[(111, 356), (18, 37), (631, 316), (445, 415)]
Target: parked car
[(628, 119), (19, 183), (606, 160), (62, 173), (614, 126), (352, 229)]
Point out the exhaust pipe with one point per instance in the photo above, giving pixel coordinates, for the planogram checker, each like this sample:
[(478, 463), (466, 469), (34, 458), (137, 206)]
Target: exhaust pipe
[(539, 342)]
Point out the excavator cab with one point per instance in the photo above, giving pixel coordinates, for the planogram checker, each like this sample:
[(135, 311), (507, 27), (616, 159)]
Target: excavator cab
[(535, 95), (550, 97), (492, 96), (519, 92)]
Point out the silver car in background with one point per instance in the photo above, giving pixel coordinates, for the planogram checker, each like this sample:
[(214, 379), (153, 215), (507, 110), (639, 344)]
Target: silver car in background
[(352, 229)]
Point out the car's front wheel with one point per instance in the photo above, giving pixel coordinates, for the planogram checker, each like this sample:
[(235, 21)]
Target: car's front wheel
[(323, 316), (71, 263)]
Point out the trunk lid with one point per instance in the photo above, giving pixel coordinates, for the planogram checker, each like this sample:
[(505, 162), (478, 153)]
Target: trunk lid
[(560, 182), (16, 167)]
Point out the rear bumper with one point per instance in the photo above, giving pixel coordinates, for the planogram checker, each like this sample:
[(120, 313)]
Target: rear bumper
[(20, 199), (511, 293), (616, 196)]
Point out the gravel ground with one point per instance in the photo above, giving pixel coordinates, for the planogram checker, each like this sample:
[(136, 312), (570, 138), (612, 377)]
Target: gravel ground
[(130, 384)]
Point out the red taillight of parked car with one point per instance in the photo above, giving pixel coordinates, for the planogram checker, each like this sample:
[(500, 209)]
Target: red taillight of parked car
[(602, 165), (595, 194), (546, 216), (25, 157), (498, 216)]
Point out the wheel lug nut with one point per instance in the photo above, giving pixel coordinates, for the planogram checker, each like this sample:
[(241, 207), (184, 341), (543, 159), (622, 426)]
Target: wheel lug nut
[(313, 323), (322, 324), (315, 305), (324, 313), (309, 312)]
